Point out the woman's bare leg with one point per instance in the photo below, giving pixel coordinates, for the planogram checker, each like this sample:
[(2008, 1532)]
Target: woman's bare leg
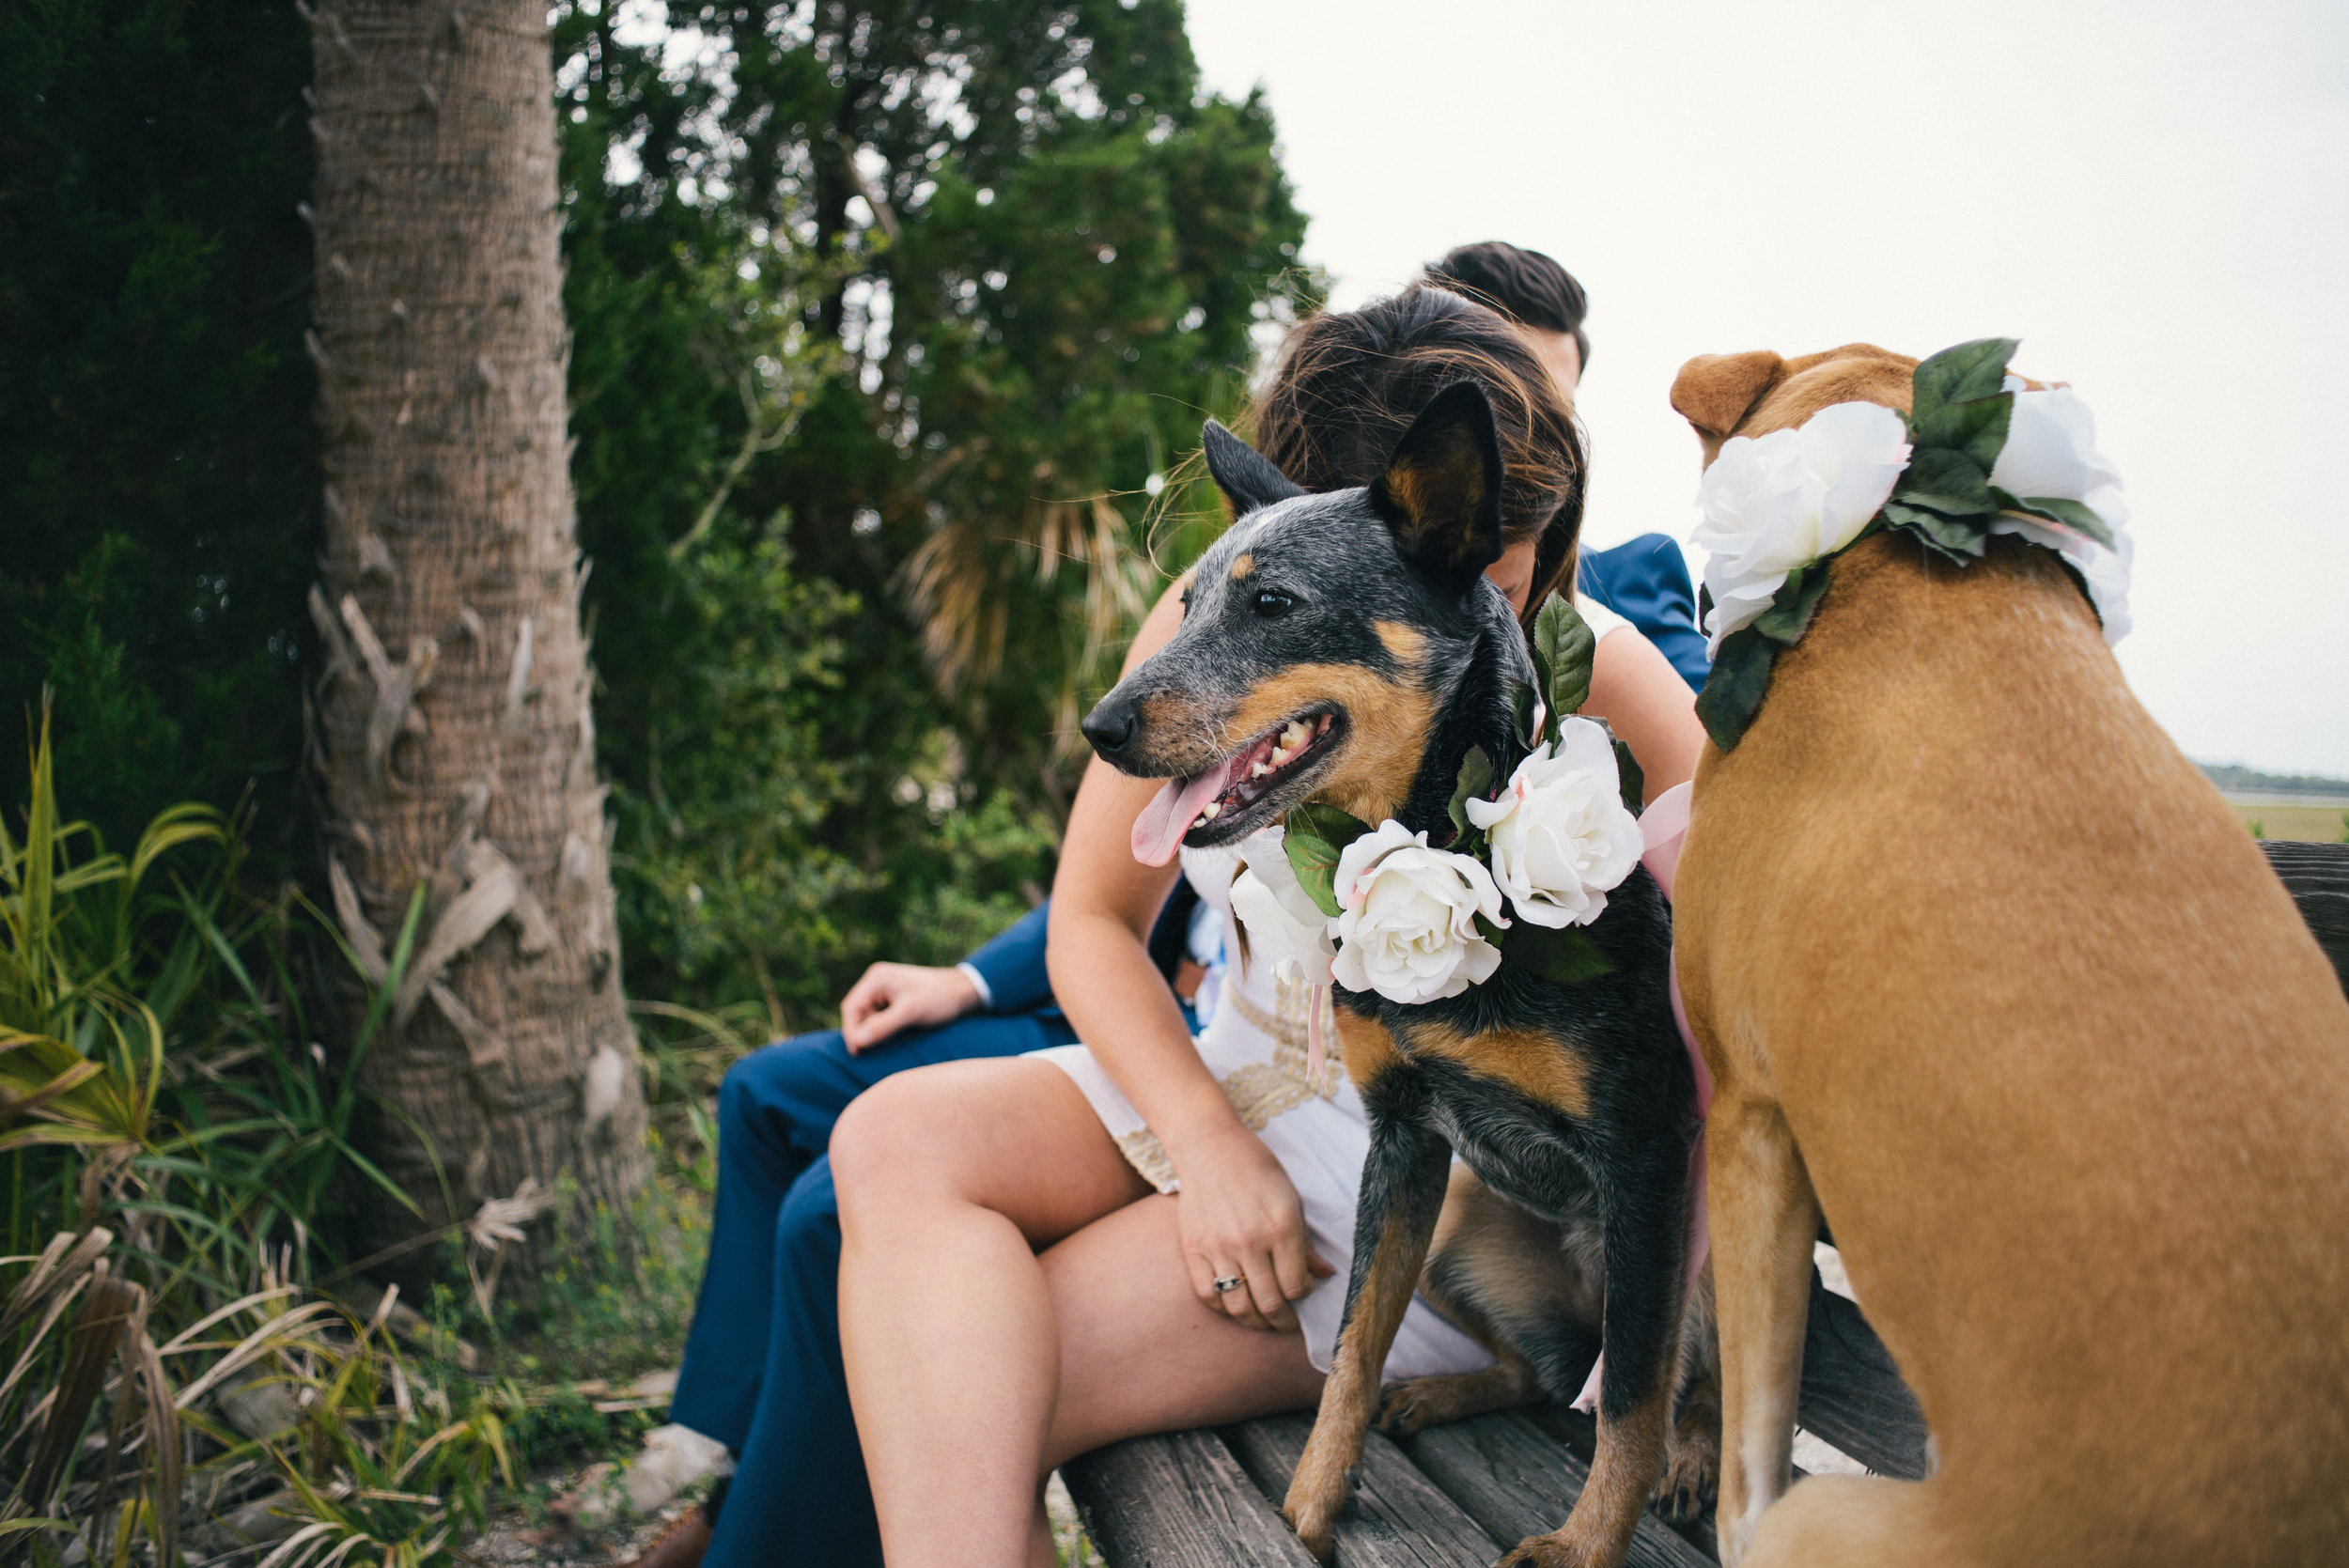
[(950, 1178)]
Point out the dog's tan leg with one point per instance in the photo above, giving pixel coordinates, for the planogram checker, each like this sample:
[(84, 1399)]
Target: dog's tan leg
[(1764, 1218), (1402, 1187)]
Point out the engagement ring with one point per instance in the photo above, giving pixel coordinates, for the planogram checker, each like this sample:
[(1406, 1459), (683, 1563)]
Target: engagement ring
[(1230, 1282)]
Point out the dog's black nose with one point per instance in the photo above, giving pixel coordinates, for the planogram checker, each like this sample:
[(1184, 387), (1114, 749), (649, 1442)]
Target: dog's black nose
[(1110, 725)]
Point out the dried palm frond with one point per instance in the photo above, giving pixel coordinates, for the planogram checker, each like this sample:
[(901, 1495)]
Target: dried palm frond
[(108, 1346)]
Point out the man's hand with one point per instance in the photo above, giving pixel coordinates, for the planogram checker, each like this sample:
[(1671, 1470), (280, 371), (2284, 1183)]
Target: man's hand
[(894, 997)]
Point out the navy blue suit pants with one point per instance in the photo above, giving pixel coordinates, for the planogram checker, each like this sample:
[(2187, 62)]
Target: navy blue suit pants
[(763, 1371)]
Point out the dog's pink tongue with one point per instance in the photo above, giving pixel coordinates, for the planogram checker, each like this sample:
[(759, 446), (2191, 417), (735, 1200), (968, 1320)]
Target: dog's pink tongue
[(1158, 830)]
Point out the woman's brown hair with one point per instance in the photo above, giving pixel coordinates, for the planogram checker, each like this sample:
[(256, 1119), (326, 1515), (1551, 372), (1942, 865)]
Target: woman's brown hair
[(1349, 383)]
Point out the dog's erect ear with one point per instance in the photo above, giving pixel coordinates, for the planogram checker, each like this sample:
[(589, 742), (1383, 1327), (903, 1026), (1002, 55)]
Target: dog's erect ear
[(1713, 391), (1441, 494), (1244, 474)]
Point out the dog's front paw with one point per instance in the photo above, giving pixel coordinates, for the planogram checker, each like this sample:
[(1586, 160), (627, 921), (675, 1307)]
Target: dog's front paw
[(1319, 1493), (1692, 1475), (1415, 1402), (1548, 1551), (1315, 1521)]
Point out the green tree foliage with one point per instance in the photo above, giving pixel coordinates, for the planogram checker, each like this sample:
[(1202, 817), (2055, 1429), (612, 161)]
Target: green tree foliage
[(157, 481), (987, 264), (883, 321)]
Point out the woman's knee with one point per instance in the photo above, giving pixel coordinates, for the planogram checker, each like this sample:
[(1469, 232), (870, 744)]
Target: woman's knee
[(1005, 1134), (894, 1143)]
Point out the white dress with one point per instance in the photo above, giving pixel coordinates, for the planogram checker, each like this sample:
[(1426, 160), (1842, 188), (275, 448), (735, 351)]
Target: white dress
[(1255, 1044), (1600, 619)]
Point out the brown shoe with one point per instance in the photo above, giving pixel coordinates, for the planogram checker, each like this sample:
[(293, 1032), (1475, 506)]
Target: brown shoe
[(681, 1545)]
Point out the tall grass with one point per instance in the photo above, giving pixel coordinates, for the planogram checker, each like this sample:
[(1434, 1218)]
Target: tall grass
[(172, 1134)]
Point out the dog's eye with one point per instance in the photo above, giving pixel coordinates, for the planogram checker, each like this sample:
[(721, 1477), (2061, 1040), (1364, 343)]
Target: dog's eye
[(1273, 606)]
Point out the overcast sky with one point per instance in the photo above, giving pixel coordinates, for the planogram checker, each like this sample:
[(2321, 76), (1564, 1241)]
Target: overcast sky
[(2153, 196)]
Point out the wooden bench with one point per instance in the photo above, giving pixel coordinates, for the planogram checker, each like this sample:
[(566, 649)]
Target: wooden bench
[(1460, 1496)]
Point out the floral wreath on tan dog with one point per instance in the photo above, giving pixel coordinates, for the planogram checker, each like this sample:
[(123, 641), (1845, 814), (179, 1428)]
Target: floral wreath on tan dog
[(1329, 899), (1980, 453)]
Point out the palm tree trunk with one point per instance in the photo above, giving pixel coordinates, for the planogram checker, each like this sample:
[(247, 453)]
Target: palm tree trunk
[(454, 732)]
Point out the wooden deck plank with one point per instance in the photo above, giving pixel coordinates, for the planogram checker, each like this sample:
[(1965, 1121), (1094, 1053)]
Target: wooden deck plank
[(1515, 1479), (1179, 1501), (1399, 1519), (2317, 877), (1852, 1394)]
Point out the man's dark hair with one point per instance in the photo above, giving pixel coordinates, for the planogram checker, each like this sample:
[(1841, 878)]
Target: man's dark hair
[(1527, 286)]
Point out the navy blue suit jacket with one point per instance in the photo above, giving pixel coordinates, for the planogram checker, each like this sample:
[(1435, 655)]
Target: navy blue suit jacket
[(1012, 965), (1645, 581)]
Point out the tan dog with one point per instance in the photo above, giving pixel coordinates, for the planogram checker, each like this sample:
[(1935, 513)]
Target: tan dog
[(1985, 969)]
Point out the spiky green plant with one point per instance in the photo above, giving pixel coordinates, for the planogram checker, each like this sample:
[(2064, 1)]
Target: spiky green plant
[(167, 1121)]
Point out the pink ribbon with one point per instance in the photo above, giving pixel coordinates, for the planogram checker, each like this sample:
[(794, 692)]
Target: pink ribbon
[(1665, 825)]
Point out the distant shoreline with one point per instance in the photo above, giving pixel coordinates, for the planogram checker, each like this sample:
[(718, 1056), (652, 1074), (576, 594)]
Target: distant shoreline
[(2249, 786)]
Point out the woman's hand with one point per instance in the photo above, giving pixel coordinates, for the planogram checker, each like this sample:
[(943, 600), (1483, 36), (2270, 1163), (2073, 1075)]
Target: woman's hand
[(895, 997), (1241, 1218)]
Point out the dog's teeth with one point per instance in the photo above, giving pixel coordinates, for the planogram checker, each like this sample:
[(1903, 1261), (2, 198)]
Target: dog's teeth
[(1210, 813), (1295, 736), (1279, 759), (1258, 770)]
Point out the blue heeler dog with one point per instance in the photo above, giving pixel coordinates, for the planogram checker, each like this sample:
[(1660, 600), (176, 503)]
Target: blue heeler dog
[(1347, 648)]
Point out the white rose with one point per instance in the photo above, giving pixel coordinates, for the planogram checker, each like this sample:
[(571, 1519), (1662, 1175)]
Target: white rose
[(2051, 451), (1560, 833), (1407, 926), (1285, 925), (1786, 499)]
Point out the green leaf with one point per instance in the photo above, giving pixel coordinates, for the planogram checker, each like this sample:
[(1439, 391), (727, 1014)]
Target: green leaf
[(1562, 646), (2078, 515), (1978, 429), (1634, 782), (1314, 836), (1733, 692), (1476, 776), (1958, 539), (1949, 482), (1567, 956), (1960, 375), (1794, 604), (1324, 820)]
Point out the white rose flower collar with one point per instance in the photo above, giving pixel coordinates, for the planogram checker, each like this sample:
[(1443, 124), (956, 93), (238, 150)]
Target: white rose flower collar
[(1979, 453), (1326, 898)]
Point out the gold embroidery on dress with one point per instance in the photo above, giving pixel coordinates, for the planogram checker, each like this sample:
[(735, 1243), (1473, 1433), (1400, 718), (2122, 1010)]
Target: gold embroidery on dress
[(1146, 1155), (1261, 1090)]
